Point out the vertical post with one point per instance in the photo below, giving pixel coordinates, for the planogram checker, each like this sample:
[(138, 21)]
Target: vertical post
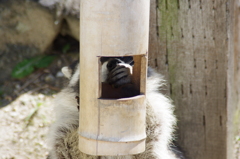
[(197, 50), (112, 28)]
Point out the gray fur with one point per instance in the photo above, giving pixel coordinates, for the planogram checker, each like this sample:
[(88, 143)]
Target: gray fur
[(160, 123)]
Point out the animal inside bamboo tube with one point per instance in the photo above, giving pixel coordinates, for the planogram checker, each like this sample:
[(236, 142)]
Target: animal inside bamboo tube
[(112, 125)]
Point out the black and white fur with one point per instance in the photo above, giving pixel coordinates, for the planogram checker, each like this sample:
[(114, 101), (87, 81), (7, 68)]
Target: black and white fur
[(160, 120)]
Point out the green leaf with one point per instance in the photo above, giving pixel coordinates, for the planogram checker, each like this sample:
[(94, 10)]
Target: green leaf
[(30, 117), (23, 69), (237, 138), (27, 66), (1, 92), (44, 61)]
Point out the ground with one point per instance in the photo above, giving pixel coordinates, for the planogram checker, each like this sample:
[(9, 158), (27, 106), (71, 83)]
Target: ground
[(26, 111), (24, 125), (26, 105)]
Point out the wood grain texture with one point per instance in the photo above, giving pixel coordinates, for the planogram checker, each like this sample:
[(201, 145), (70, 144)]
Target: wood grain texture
[(193, 43)]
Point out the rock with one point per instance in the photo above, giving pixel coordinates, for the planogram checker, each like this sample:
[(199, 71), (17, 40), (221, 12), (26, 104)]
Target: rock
[(29, 27), (66, 10), (26, 29), (73, 27)]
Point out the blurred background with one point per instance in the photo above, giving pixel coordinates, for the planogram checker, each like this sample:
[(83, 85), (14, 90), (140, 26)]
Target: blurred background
[(37, 39)]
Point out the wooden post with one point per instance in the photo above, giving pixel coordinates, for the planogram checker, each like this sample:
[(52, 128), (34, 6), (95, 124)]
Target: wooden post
[(112, 28), (195, 45)]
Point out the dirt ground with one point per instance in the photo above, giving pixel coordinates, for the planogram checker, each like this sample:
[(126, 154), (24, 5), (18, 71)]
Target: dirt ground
[(24, 125), (26, 105), (26, 111)]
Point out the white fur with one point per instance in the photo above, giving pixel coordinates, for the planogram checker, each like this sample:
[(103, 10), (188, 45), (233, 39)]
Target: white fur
[(160, 124), (104, 72), (75, 77), (67, 72), (127, 66)]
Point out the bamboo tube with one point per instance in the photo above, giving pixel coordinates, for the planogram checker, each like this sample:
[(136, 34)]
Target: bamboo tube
[(112, 28)]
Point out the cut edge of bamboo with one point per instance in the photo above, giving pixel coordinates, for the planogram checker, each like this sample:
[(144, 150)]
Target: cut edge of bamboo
[(101, 148)]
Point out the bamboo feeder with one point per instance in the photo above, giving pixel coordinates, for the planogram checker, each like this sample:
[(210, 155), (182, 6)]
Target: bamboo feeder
[(112, 127)]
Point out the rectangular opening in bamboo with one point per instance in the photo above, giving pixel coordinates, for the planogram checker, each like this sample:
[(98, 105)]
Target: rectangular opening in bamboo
[(122, 77)]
